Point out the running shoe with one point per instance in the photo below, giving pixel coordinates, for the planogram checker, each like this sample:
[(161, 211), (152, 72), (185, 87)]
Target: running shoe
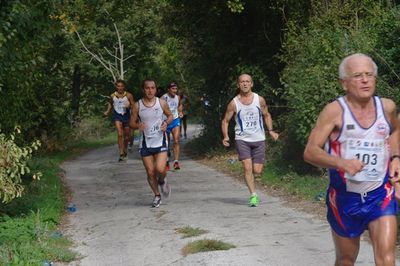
[(176, 166), (121, 158), (165, 188), (156, 202), (167, 167), (253, 201)]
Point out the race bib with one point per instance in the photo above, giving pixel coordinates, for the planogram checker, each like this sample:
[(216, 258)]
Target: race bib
[(250, 122), (153, 129), (372, 154), (120, 107)]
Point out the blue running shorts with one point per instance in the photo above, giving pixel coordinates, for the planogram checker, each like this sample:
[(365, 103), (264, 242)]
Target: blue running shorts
[(175, 123), (122, 118), (350, 213)]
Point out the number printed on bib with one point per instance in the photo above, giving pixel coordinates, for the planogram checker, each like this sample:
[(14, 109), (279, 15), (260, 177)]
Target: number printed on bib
[(250, 123), (371, 153)]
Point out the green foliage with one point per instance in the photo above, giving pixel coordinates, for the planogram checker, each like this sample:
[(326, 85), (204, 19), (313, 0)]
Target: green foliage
[(13, 166), (30, 224), (236, 6), (312, 55)]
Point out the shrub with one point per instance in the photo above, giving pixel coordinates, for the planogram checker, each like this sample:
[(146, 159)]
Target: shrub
[(13, 165)]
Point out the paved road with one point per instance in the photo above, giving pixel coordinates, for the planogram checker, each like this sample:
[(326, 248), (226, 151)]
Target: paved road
[(114, 224)]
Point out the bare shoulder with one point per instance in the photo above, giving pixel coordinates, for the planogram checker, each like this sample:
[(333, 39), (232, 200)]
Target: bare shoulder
[(130, 96), (388, 105), (332, 113), (163, 103), (262, 100), (231, 106)]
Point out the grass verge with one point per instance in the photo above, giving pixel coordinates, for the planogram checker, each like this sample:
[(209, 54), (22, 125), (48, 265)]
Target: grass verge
[(205, 245), (30, 225)]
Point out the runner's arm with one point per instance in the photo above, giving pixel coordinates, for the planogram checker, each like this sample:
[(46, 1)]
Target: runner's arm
[(133, 122), (180, 107), (131, 101), (394, 139), (328, 120), (230, 111), (109, 106), (268, 119), (167, 113)]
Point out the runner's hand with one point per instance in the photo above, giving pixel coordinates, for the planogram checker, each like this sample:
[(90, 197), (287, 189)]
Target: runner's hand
[(163, 126), (142, 126), (394, 170), (225, 142), (273, 135), (351, 166)]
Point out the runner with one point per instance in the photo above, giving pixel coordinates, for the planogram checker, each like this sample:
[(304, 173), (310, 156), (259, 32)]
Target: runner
[(250, 109), (360, 134), (121, 101), (185, 108), (175, 106), (148, 116)]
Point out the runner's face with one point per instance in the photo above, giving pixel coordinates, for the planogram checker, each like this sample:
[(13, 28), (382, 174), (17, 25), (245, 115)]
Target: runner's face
[(245, 83), (360, 81), (120, 87), (149, 89), (172, 91)]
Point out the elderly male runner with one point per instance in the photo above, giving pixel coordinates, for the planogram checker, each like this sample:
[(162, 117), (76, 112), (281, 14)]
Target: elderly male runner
[(148, 115), (251, 113), (357, 138)]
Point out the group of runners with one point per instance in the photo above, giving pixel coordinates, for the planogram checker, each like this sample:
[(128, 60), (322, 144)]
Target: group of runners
[(156, 118), (356, 137)]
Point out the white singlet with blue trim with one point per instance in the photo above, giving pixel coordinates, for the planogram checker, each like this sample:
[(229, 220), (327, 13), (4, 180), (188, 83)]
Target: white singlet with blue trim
[(152, 117), (249, 120), (173, 103), (369, 145), (120, 104)]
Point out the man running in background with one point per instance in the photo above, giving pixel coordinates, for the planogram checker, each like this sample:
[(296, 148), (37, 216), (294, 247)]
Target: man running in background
[(121, 102), (251, 112), (148, 115), (185, 109), (174, 103)]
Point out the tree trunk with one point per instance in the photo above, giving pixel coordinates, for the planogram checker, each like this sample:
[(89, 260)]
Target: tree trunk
[(76, 92)]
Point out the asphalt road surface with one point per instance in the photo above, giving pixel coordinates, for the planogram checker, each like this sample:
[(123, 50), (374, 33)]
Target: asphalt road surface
[(114, 224)]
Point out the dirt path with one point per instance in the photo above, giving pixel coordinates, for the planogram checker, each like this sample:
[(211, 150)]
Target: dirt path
[(114, 224)]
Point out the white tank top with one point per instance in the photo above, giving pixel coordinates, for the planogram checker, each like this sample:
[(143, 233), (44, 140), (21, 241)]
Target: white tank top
[(152, 117), (369, 145), (173, 103), (120, 104), (249, 120)]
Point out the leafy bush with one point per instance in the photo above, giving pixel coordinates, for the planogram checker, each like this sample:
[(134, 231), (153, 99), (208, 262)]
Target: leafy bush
[(312, 56), (13, 165)]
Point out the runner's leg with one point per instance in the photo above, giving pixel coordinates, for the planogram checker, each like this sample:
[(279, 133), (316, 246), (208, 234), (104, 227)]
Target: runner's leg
[(383, 233), (149, 165), (120, 136), (346, 249)]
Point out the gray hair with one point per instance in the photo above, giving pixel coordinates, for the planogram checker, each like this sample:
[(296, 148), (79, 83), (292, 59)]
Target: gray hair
[(244, 74), (343, 64)]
